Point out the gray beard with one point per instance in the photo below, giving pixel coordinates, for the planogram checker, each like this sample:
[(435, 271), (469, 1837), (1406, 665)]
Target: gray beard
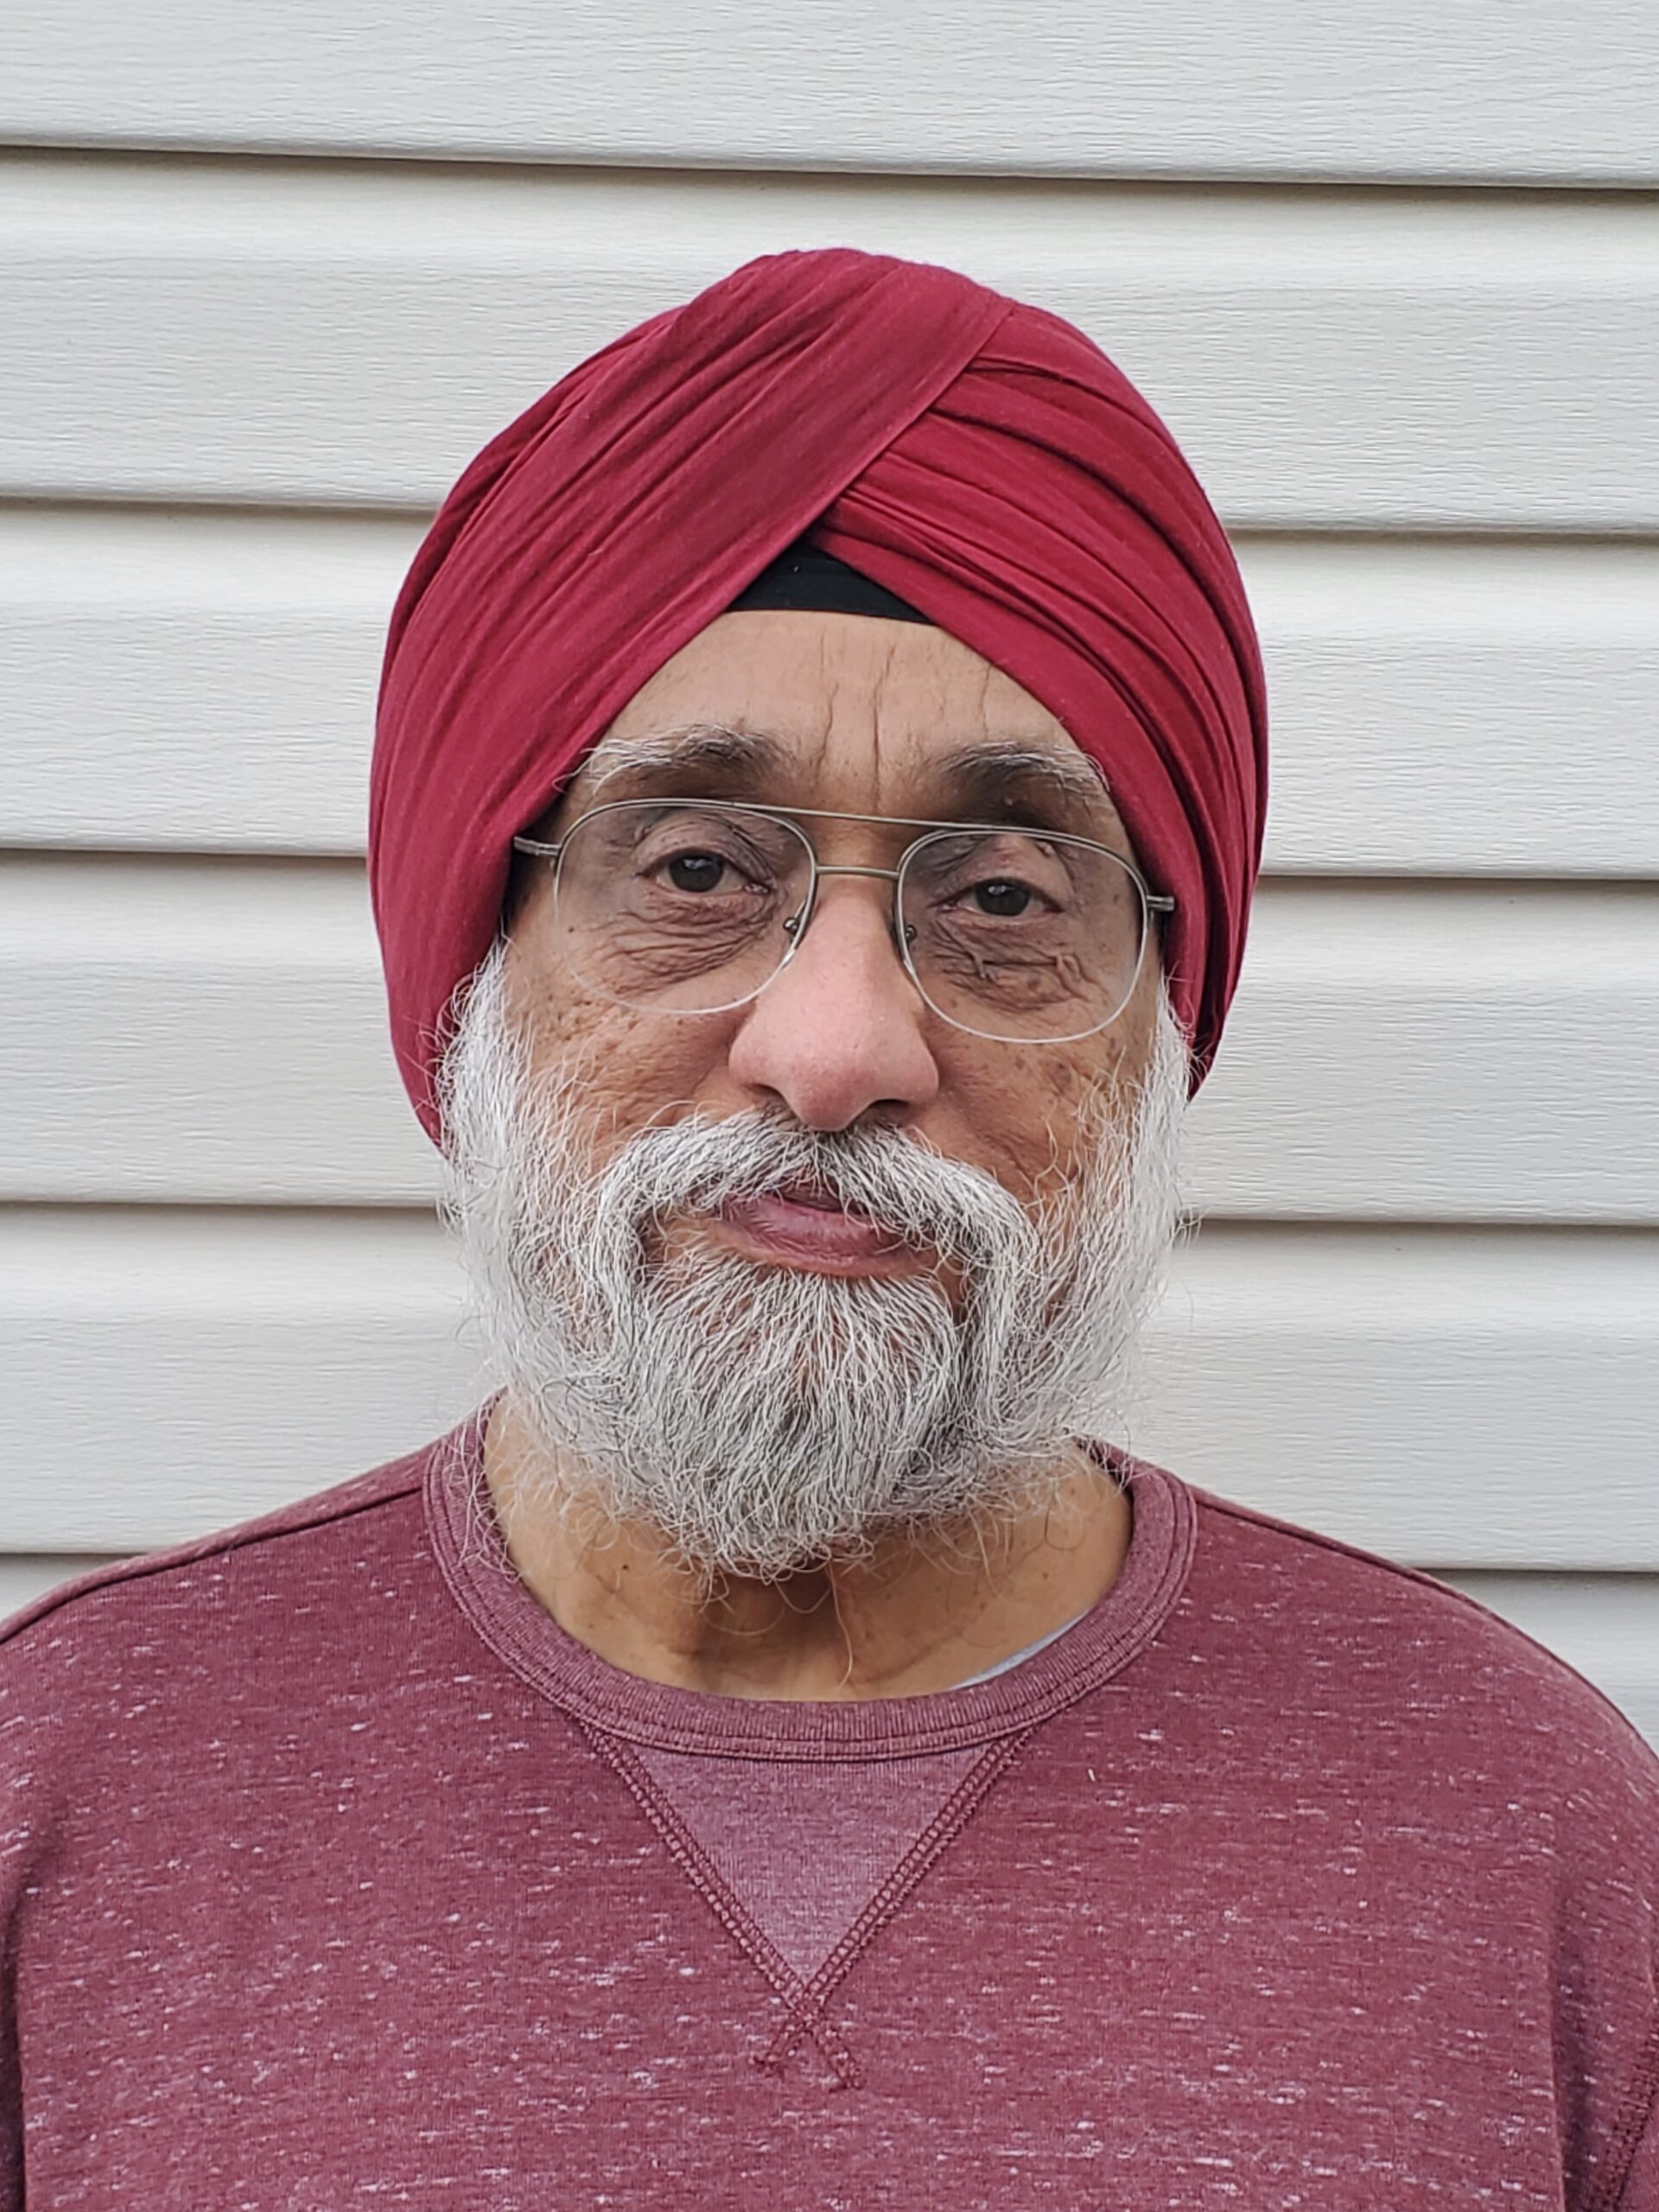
[(762, 1420)]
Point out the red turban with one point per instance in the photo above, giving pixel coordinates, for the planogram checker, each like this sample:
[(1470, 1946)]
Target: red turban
[(978, 457)]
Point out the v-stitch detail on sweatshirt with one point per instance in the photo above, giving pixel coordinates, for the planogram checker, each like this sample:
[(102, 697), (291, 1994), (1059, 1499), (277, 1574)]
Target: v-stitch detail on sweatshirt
[(805, 1997)]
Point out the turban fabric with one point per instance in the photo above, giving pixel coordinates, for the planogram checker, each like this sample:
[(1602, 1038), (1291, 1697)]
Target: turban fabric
[(978, 457)]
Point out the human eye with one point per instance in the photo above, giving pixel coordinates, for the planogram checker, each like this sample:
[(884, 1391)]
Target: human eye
[(1003, 897), (984, 882), (705, 858)]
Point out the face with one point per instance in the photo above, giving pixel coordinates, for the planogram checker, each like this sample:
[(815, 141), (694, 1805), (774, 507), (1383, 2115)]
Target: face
[(864, 716), (780, 1280)]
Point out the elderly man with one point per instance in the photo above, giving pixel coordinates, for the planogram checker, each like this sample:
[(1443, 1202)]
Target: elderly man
[(782, 1751)]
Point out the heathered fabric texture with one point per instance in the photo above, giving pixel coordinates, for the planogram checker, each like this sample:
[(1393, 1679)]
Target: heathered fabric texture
[(334, 1874)]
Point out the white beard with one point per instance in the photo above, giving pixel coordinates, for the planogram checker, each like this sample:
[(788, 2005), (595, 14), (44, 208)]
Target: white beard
[(765, 1419)]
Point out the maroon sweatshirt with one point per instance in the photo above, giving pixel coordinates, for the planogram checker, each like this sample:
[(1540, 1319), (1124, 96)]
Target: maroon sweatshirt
[(333, 1874)]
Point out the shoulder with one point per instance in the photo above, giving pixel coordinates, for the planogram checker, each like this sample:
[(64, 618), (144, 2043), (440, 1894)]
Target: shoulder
[(142, 1699), (1472, 1764), (1437, 1672), (154, 1605)]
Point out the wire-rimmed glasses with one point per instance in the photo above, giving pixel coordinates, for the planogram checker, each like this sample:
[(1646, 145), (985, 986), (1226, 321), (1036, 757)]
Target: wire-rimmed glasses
[(688, 905)]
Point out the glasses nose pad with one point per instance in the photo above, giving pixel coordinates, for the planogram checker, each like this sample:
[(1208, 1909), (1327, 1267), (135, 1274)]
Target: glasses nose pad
[(902, 933), (794, 929)]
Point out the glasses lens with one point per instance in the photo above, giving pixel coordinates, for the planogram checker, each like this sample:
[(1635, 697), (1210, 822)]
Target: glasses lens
[(1024, 938), (678, 906)]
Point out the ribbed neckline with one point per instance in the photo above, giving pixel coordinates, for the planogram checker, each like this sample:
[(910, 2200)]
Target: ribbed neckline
[(481, 1577)]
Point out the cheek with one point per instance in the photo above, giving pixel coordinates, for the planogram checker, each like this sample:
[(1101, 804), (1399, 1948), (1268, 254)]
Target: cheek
[(634, 1068), (1033, 1118)]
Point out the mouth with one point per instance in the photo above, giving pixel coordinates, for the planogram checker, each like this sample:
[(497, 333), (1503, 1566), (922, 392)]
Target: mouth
[(805, 1226)]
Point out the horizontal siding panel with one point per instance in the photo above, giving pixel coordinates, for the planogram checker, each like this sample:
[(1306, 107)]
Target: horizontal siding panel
[(202, 682), (203, 1031), (162, 1374), (197, 1030), (317, 334), (191, 682), (1486, 90), (1460, 710), (209, 1369), (1439, 1052), (1311, 1373)]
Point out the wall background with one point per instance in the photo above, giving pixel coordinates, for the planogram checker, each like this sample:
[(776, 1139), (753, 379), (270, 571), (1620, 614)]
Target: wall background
[(270, 278)]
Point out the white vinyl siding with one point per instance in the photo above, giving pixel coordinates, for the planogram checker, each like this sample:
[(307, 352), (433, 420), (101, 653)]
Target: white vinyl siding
[(268, 284), (1491, 91)]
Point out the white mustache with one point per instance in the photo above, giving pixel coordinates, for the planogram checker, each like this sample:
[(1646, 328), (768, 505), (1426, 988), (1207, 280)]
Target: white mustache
[(888, 1176)]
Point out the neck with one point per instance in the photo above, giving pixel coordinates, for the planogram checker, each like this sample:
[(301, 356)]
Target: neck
[(904, 1621)]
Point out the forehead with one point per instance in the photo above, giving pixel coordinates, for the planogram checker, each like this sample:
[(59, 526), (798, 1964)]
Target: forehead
[(850, 711)]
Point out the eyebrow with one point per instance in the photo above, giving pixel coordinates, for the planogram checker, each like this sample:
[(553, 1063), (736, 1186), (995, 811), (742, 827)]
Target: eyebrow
[(750, 756), (1004, 778)]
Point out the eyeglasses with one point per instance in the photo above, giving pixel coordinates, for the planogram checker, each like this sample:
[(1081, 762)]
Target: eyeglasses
[(693, 906)]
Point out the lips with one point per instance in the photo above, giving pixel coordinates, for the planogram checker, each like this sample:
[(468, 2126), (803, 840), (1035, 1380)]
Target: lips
[(814, 1195), (805, 1226)]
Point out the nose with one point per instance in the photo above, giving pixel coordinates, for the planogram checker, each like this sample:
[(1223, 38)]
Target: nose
[(838, 1031)]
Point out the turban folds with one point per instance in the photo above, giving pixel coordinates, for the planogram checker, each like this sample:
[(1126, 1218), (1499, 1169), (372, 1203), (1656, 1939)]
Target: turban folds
[(978, 457)]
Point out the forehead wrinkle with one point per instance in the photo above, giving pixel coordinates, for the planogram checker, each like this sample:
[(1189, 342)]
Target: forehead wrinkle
[(887, 750)]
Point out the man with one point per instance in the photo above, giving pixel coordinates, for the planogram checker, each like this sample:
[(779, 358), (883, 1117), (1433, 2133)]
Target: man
[(780, 1752)]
